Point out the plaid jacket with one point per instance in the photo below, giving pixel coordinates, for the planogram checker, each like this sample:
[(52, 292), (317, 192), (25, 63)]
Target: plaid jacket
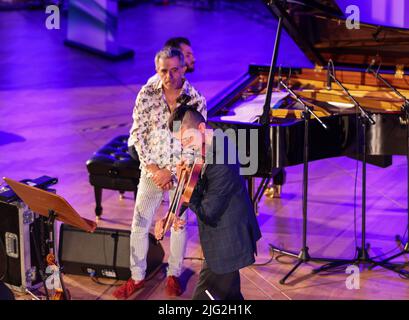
[(228, 227)]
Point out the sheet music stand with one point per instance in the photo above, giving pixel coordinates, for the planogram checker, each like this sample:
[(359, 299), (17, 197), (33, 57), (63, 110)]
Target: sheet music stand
[(53, 207)]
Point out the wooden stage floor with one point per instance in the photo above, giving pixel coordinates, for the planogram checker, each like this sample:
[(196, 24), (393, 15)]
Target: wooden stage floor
[(53, 113), (330, 224)]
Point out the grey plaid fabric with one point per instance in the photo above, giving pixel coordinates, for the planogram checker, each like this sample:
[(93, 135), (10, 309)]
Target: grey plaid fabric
[(227, 223)]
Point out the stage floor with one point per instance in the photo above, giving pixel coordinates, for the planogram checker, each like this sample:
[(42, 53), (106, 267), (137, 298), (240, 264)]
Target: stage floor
[(58, 105)]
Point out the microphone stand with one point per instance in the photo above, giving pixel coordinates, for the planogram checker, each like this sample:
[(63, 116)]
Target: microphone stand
[(303, 256), (405, 111), (389, 85), (362, 256)]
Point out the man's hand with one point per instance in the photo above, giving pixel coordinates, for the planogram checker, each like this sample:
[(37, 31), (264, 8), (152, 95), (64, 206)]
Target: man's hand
[(179, 167), (162, 178), (152, 168), (159, 229), (178, 224), (167, 186)]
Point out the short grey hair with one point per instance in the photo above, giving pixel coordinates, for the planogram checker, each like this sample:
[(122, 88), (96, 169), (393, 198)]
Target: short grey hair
[(169, 52)]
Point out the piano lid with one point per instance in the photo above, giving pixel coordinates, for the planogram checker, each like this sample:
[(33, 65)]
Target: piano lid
[(319, 28)]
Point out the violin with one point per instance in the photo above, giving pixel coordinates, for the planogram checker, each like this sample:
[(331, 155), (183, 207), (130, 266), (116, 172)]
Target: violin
[(187, 180)]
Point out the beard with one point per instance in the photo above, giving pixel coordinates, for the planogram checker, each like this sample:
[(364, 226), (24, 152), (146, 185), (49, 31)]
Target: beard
[(190, 69)]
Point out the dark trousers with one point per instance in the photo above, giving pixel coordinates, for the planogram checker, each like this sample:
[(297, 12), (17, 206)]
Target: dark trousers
[(5, 292), (221, 286)]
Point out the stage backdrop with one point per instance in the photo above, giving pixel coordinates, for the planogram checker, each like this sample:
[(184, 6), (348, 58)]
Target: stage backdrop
[(93, 23)]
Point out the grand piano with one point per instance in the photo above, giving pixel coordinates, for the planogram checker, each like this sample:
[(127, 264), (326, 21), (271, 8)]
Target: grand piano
[(319, 29)]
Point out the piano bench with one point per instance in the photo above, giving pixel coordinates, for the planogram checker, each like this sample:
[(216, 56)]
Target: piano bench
[(112, 167)]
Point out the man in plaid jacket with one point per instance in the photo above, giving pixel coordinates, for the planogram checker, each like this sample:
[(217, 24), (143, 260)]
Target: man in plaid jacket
[(228, 227)]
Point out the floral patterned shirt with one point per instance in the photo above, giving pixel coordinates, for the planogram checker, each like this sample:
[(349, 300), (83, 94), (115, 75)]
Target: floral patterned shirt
[(150, 132)]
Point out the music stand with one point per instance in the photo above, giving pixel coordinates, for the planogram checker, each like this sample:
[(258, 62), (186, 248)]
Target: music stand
[(53, 207)]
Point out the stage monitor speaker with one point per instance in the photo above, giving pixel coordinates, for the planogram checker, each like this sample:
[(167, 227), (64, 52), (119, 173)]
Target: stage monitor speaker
[(104, 253)]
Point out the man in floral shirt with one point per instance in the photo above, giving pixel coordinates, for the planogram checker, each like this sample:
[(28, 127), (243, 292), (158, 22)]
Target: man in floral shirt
[(158, 155), (182, 44)]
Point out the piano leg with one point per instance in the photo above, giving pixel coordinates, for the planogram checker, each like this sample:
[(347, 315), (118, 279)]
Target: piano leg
[(256, 197), (273, 190)]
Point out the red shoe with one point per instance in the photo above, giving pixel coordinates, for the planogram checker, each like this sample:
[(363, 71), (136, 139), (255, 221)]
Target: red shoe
[(173, 287), (128, 288)]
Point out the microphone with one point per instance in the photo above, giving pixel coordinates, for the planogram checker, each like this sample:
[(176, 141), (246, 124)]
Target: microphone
[(329, 78)]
